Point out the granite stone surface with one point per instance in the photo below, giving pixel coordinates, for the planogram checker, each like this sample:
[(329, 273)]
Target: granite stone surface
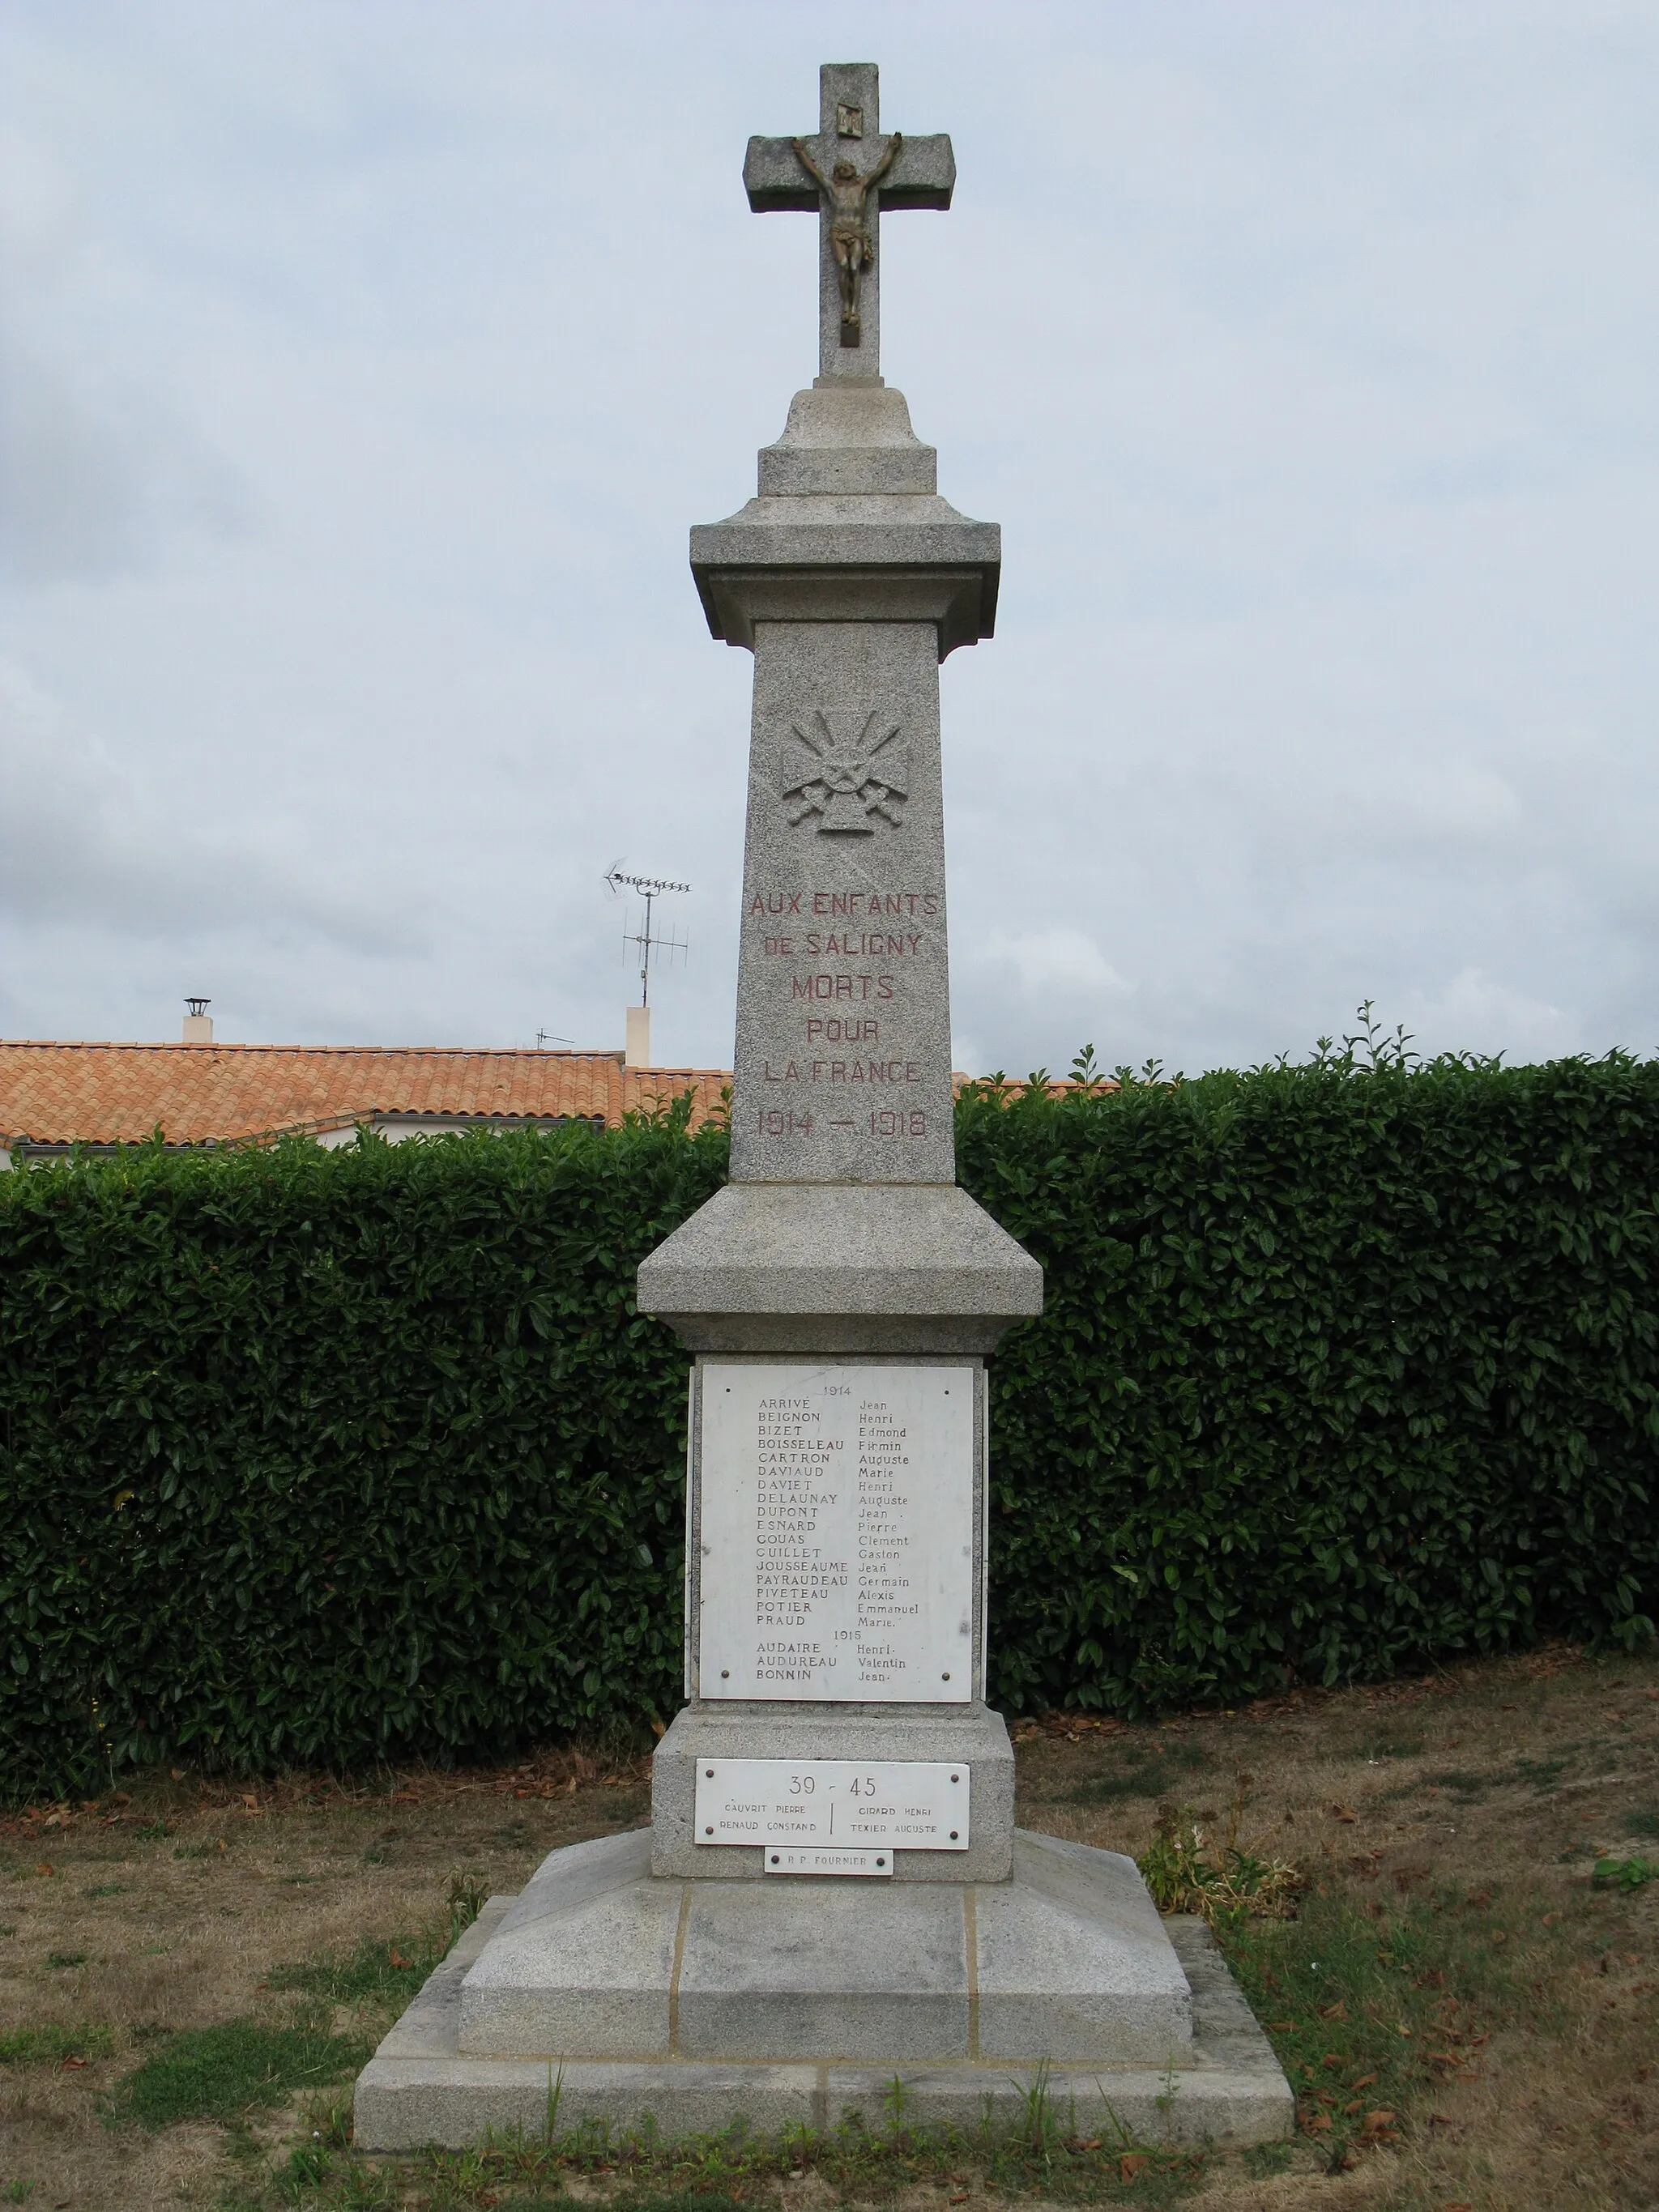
[(842, 1072), (1221, 2084), (883, 1250), (816, 1967), (855, 439), (599, 1958), (756, 1730), (582, 1961), (1073, 1958)]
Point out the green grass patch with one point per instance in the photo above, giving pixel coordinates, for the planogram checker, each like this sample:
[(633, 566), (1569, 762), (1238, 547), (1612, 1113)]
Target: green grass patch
[(1038, 2149), (31, 2046), (61, 1959), (220, 2073), (1365, 2012), (107, 1889), (1644, 1821), (375, 1972), (379, 1972)]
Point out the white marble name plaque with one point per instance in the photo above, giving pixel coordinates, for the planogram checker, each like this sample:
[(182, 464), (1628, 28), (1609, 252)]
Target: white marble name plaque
[(834, 1538), (823, 1804), (865, 1863)]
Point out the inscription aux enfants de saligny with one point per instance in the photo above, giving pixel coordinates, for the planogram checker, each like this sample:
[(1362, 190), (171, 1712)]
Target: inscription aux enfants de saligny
[(833, 1550), (843, 1062)]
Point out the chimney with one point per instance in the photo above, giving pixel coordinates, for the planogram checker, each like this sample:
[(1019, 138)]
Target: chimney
[(198, 1023), (637, 1051)]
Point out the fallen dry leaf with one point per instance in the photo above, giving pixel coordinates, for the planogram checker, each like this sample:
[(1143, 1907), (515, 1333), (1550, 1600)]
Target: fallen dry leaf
[(44, 1867), (1343, 1813), (1131, 2163), (69, 2064), (1378, 2123), (397, 1957)]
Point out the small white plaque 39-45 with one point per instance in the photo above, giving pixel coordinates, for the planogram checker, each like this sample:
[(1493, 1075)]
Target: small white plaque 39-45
[(908, 1804)]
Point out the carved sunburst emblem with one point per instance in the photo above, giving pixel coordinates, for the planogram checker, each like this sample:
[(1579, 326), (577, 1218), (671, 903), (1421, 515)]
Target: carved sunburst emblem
[(846, 782)]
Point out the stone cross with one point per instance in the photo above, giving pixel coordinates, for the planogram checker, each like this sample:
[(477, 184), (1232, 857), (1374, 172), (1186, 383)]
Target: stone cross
[(849, 173)]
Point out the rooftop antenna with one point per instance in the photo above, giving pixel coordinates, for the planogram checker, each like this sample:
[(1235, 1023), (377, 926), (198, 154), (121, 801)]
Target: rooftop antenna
[(649, 941), (545, 1037)]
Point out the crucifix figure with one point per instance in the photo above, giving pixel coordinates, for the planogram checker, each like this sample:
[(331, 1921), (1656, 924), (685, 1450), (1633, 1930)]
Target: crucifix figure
[(850, 174), (851, 239)]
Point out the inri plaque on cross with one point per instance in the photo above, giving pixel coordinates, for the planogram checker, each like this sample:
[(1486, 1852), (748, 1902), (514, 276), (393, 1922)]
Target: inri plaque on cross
[(851, 174)]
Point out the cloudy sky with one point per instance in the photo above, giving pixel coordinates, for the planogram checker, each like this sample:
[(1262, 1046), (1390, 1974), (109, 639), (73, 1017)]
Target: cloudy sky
[(367, 361)]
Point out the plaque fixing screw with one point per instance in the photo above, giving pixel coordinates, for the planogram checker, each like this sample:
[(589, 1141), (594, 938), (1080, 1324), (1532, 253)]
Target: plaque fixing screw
[(954, 1836), (774, 1859), (708, 1832), (880, 1861), (725, 1675), (709, 1771), (944, 1678), (956, 1778)]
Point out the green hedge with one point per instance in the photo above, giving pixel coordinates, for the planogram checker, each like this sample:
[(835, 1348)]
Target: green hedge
[(322, 1457), (317, 1457), (1341, 1368)]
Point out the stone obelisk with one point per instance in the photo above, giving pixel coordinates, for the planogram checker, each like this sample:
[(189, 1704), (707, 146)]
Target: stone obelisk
[(840, 1293), (831, 1892)]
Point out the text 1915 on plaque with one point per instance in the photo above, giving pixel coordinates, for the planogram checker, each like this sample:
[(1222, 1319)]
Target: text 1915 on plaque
[(834, 1543), (834, 1804)]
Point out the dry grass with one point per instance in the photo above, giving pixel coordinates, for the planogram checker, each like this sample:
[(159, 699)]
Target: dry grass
[(1503, 1784), (181, 1929), (1480, 1799)]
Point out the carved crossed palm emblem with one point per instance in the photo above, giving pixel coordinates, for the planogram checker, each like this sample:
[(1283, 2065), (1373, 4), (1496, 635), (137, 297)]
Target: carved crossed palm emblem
[(846, 782)]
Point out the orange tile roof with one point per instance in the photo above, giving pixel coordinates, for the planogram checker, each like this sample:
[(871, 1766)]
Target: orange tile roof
[(100, 1094)]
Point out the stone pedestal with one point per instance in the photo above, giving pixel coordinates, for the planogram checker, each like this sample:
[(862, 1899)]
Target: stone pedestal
[(628, 1997)]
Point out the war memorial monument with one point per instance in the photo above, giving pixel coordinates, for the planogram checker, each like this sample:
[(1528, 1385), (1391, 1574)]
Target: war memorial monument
[(832, 1893)]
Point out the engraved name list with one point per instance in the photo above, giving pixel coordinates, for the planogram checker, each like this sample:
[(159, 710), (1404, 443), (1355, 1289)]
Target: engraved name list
[(834, 1557)]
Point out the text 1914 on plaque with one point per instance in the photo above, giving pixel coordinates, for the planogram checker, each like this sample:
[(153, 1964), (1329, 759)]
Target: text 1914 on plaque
[(893, 1804), (834, 1543)]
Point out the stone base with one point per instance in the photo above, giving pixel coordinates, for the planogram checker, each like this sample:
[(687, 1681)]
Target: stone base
[(839, 1268), (792, 2001), (750, 1729)]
